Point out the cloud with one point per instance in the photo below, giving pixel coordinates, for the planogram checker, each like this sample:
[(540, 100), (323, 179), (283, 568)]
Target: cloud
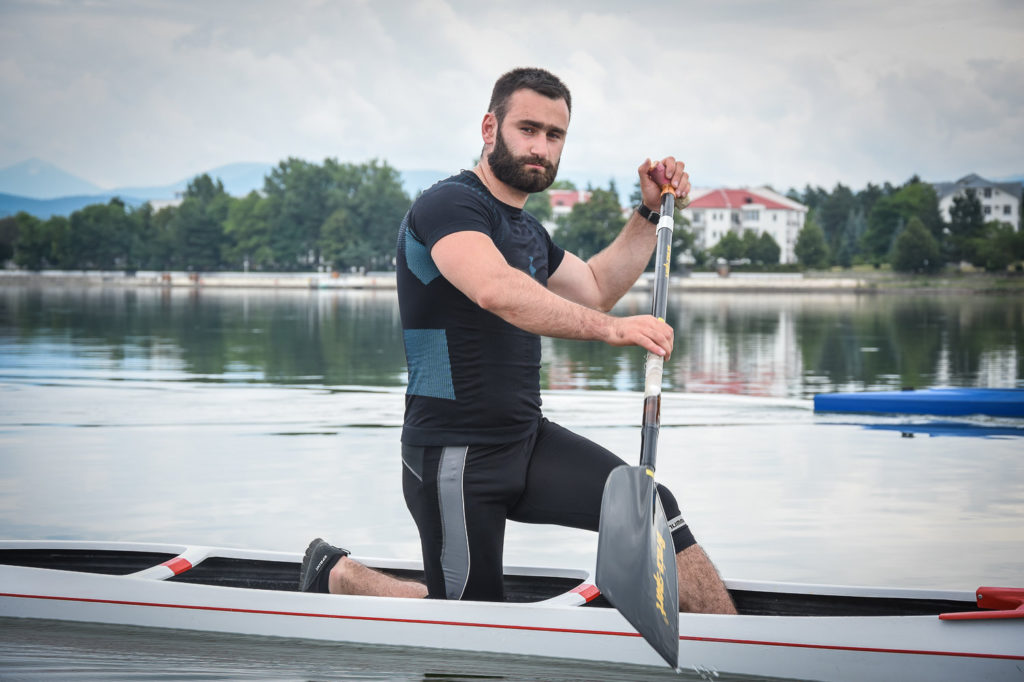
[(148, 91)]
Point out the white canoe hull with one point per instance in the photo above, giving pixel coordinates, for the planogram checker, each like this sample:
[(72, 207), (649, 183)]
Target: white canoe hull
[(805, 647)]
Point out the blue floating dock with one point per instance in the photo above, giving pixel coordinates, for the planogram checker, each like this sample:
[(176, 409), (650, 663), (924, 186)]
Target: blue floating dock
[(994, 402)]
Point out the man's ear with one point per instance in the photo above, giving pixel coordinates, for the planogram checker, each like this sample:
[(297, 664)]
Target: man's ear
[(489, 128)]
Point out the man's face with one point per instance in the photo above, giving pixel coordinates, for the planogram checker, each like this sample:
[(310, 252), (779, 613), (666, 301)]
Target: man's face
[(528, 143)]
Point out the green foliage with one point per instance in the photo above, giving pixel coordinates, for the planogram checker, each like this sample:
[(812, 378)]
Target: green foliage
[(811, 248), (539, 206), (890, 213), (966, 226), (998, 246), (592, 225), (336, 215), (198, 224), (729, 247), (340, 215), (100, 237), (40, 244), (8, 235), (916, 250), (833, 213), (854, 227), (247, 233), (767, 251)]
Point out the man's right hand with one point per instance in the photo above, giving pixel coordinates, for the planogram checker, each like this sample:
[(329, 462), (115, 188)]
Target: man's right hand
[(645, 331)]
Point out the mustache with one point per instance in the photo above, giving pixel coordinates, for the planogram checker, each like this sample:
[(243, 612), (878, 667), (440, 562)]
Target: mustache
[(536, 161)]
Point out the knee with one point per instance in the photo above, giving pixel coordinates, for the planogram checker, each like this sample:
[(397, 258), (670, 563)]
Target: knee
[(668, 502)]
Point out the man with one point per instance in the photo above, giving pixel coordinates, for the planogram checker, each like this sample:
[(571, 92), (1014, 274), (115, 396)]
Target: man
[(479, 281)]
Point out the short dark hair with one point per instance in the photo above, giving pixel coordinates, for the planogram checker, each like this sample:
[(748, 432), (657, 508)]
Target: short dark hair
[(538, 80)]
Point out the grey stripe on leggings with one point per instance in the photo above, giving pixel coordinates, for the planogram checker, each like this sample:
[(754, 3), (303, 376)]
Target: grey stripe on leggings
[(455, 537)]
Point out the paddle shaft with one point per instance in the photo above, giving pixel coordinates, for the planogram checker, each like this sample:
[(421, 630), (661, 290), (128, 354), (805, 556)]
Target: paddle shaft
[(655, 364)]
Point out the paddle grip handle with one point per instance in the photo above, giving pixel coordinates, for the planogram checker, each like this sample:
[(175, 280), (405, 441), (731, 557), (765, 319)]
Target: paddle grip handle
[(657, 174)]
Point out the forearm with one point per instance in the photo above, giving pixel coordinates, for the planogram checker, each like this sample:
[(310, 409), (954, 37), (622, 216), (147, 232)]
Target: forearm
[(471, 263), (617, 267), (519, 300)]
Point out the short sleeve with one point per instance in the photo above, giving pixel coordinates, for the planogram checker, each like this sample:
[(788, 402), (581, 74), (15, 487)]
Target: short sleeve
[(447, 209)]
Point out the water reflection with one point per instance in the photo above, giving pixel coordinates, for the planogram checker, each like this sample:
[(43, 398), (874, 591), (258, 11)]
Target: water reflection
[(778, 345)]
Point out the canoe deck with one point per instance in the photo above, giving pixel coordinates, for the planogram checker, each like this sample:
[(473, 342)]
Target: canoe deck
[(283, 576)]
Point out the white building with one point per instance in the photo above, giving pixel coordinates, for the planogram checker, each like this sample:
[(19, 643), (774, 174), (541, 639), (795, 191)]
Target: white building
[(999, 200), (714, 212)]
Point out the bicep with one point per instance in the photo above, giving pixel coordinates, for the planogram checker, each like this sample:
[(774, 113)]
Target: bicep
[(470, 261)]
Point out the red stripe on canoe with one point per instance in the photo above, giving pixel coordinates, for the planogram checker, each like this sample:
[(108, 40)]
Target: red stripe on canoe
[(536, 628)]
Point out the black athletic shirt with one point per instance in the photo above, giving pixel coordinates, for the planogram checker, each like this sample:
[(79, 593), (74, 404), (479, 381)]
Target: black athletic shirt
[(473, 378)]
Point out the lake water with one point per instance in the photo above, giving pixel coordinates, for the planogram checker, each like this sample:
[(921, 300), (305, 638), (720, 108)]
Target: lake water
[(265, 418)]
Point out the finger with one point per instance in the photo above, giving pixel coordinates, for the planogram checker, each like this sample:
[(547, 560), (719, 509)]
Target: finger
[(683, 189)]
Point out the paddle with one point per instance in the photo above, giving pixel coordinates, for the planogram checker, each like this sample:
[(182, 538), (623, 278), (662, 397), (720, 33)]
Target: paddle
[(636, 563)]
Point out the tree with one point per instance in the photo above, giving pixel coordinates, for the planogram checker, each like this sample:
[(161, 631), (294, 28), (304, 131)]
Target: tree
[(854, 227), (100, 237), (8, 236), (592, 225), (811, 248), (916, 249), (198, 224), (997, 247), (729, 247), (247, 233), (367, 203), (832, 215), (766, 251), (297, 195), (890, 213), (539, 206), (966, 226)]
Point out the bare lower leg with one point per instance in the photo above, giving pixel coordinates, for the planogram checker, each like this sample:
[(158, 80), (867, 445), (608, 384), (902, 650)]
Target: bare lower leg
[(701, 589), (351, 577)]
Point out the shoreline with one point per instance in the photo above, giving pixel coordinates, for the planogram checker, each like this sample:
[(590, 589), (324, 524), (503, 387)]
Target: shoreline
[(741, 282)]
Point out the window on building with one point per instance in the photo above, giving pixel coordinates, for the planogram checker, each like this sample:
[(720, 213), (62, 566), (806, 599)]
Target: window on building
[(1008, 209), (751, 216), (987, 192), (988, 210)]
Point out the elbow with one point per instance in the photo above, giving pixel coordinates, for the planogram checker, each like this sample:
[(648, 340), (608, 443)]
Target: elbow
[(491, 298)]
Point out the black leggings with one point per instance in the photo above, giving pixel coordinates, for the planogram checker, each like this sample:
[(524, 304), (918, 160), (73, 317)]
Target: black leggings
[(460, 497)]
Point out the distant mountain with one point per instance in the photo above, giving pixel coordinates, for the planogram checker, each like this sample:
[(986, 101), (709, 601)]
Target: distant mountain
[(38, 179), (46, 208), (239, 179)]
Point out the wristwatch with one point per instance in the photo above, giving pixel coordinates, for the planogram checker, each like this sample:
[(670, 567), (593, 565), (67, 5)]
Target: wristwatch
[(647, 214)]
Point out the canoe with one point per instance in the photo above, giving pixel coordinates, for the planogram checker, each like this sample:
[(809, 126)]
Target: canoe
[(994, 402), (783, 630)]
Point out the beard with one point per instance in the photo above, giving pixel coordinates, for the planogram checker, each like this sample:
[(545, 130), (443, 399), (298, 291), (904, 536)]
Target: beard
[(513, 172)]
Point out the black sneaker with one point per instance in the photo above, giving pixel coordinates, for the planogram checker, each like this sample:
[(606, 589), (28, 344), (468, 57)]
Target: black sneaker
[(317, 564)]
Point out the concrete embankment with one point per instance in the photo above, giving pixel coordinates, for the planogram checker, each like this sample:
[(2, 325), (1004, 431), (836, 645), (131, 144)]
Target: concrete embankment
[(386, 280), (740, 282)]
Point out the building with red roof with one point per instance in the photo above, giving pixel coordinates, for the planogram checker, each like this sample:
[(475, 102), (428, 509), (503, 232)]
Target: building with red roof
[(562, 200), (714, 212)]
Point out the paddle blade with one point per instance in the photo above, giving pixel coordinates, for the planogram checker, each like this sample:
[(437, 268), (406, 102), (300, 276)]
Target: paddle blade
[(636, 564)]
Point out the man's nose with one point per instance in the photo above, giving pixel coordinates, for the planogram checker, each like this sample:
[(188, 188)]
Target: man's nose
[(541, 148)]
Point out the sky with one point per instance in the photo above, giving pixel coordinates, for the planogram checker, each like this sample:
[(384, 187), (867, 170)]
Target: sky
[(746, 92)]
